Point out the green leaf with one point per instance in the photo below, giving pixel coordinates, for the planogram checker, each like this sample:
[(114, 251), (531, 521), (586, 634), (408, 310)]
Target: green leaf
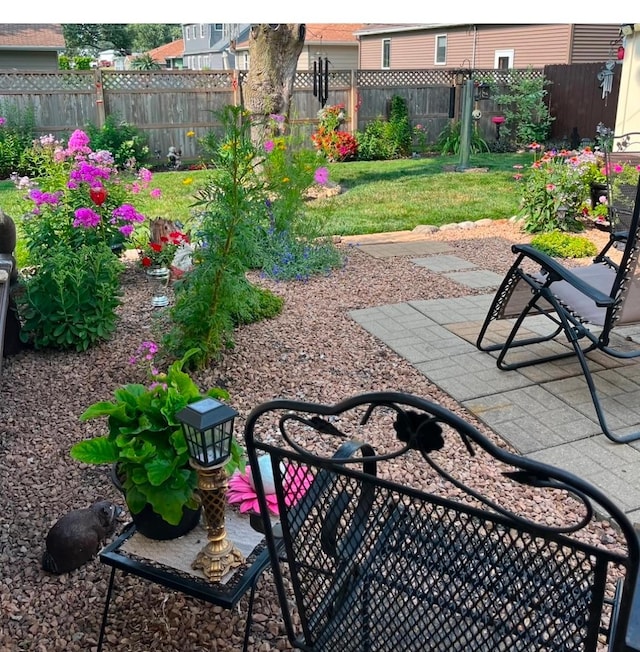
[(99, 450)]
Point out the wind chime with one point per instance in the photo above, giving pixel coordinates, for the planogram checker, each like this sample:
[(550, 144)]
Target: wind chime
[(321, 80)]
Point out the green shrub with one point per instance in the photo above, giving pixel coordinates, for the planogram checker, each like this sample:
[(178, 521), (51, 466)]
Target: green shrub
[(17, 129), (387, 139), (71, 301), (564, 245), (449, 139), (126, 142)]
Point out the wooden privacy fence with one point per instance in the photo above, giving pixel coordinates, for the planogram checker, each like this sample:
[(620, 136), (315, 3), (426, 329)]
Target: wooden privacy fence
[(166, 105)]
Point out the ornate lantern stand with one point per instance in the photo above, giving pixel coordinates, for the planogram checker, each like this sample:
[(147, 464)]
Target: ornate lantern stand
[(208, 429)]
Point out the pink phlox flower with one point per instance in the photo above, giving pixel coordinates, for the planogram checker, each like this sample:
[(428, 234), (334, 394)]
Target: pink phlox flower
[(47, 140), (38, 197), (156, 193), (618, 168), (269, 146), (59, 155), (127, 213), (156, 385), (86, 218), (126, 230), (102, 156), (551, 187), (2, 121), (145, 175), (88, 173), (321, 176), (135, 188), (78, 142), (602, 199)]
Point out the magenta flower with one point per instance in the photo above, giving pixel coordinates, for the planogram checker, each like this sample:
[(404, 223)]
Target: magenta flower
[(126, 230), (2, 121), (296, 482), (86, 218), (321, 176), (268, 146), (78, 142), (128, 213), (145, 175), (156, 193)]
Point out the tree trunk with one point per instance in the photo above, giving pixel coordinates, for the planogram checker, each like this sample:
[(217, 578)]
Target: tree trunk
[(273, 52)]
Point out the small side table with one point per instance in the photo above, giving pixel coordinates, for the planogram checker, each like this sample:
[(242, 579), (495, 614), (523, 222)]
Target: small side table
[(168, 563)]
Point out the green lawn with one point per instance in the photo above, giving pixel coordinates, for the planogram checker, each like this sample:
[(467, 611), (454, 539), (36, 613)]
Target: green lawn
[(377, 196)]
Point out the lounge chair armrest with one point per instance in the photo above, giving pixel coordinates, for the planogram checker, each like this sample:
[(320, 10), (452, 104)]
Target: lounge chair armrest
[(553, 266), (632, 636)]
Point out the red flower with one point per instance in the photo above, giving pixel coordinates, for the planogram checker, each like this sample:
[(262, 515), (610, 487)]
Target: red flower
[(146, 261), (155, 246), (98, 195)]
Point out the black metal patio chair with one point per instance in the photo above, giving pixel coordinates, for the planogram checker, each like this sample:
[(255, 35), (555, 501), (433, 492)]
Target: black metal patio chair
[(625, 150), (586, 307), (404, 529)]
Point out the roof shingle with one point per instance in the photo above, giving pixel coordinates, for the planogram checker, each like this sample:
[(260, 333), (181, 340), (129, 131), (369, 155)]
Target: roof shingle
[(31, 35)]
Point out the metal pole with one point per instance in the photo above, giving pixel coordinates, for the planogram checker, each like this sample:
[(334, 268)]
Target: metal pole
[(465, 127)]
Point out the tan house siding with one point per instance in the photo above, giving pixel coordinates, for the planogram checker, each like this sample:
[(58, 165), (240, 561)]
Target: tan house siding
[(532, 45), (475, 46), (594, 43), (341, 57)]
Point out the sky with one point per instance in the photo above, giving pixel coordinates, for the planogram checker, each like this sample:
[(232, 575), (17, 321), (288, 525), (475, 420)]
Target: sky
[(324, 11)]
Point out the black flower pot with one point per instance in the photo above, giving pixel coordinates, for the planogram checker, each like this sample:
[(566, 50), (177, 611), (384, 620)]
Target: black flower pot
[(597, 190), (152, 525)]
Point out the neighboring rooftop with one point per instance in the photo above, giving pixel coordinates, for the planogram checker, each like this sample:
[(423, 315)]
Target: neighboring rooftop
[(172, 50), (31, 36)]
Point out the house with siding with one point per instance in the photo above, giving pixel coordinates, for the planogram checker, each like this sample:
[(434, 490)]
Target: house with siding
[(169, 55), (335, 41), (484, 46), (30, 46), (211, 46)]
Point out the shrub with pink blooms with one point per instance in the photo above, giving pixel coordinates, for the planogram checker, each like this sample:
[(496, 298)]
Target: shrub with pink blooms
[(76, 213), (80, 196)]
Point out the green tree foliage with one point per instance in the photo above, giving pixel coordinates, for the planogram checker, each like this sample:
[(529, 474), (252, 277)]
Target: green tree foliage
[(94, 37), (147, 36)]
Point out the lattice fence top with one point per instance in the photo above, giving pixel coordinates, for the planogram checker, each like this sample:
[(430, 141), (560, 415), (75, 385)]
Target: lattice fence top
[(154, 79), (62, 80), (304, 78), (506, 77), (386, 78)]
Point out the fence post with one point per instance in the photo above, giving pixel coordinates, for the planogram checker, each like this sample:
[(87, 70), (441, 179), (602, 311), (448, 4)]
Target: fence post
[(100, 110), (235, 85), (353, 92)]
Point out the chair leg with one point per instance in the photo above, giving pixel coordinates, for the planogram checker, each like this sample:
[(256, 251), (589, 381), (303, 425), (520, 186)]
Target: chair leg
[(106, 609)]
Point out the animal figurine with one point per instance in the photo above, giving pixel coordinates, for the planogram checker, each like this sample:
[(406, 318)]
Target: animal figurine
[(76, 538)]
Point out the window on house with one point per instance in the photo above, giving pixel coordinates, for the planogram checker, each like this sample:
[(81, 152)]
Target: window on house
[(245, 60), (187, 32), (203, 30), (386, 53), (441, 49), (503, 59), (217, 27)]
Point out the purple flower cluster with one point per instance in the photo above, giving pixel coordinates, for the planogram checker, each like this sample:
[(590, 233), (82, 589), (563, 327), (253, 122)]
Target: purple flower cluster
[(38, 197), (86, 218), (87, 173)]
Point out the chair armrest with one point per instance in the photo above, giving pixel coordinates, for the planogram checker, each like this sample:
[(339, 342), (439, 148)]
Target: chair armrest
[(632, 635), (562, 273)]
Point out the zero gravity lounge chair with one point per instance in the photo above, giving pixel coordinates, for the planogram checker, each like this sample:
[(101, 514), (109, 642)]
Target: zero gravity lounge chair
[(585, 307)]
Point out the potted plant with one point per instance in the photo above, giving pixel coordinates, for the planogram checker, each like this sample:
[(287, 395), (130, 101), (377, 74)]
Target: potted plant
[(147, 450)]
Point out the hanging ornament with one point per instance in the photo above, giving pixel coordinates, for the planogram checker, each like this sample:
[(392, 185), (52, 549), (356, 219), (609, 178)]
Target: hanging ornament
[(605, 77), (620, 53)]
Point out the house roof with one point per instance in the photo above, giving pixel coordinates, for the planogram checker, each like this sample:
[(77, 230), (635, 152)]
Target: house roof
[(31, 36), (172, 50), (325, 34), (385, 28)]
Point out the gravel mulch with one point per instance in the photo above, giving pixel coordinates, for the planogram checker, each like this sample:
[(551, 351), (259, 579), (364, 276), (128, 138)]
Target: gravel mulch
[(312, 351)]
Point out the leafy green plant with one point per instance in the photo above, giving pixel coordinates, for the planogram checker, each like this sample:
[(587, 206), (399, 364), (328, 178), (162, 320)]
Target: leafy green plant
[(17, 127), (386, 139), (522, 102), (70, 300), (147, 442), (564, 245), (553, 194), (450, 138), (127, 143)]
